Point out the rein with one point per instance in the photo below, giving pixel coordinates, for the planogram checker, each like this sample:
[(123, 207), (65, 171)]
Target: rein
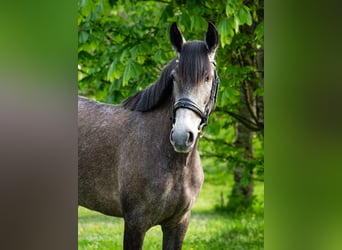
[(189, 104)]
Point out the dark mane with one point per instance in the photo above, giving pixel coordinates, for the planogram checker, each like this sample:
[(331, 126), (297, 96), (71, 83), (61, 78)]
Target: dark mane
[(151, 97), (193, 62)]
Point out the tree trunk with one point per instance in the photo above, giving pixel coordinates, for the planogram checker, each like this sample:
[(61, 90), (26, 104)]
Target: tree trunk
[(259, 100), (252, 110), (250, 117)]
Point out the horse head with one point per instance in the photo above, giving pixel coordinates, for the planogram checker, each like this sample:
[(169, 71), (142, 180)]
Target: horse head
[(195, 84)]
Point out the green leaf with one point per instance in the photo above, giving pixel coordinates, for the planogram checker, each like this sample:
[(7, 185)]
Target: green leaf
[(236, 24), (99, 84), (229, 9), (232, 6), (84, 55), (112, 70), (112, 2), (230, 96), (226, 32), (83, 36), (83, 4), (244, 15), (197, 22), (124, 55), (132, 69), (259, 92), (115, 85), (232, 93), (127, 74), (185, 20), (259, 33)]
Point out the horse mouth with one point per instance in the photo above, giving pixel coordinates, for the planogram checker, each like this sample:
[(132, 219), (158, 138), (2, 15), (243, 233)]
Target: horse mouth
[(182, 149)]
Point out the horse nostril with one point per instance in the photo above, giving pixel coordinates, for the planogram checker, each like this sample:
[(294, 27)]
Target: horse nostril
[(171, 135), (190, 138)]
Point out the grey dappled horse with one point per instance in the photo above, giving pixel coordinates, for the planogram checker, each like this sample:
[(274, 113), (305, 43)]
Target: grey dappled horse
[(139, 160)]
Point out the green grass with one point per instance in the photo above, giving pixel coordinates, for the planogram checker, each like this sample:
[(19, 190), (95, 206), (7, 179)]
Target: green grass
[(209, 228)]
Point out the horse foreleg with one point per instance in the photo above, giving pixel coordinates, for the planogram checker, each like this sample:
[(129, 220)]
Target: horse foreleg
[(133, 236), (173, 235)]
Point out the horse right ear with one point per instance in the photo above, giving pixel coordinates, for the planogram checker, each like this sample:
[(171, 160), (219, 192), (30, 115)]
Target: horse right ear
[(176, 37), (212, 39)]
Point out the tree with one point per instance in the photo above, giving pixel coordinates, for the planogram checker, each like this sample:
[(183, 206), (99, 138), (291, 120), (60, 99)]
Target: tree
[(250, 116), (123, 45)]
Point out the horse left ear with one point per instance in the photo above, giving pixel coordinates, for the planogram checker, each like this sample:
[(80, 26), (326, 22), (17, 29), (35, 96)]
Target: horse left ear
[(212, 38), (176, 38)]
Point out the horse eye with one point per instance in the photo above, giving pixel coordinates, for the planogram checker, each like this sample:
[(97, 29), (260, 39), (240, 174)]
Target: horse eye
[(207, 78), (175, 77)]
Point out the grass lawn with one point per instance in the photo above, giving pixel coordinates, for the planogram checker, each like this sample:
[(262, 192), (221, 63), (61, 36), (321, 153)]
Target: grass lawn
[(209, 228)]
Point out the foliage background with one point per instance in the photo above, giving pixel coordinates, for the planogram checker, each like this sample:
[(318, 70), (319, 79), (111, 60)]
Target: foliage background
[(123, 46)]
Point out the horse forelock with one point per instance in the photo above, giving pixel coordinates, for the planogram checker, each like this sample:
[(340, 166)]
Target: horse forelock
[(193, 62)]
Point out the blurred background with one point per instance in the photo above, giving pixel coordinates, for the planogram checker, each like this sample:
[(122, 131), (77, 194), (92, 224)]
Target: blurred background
[(40, 66)]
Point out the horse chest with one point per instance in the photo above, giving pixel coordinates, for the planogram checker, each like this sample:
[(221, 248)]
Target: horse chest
[(181, 191)]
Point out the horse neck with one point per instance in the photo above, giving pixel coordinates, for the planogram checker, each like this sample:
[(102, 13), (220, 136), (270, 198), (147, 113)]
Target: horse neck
[(162, 119)]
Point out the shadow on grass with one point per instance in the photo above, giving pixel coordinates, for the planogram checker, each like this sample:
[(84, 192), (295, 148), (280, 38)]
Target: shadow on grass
[(224, 212), (234, 239)]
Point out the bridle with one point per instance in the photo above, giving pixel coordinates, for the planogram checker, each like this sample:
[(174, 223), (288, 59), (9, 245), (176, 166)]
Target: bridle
[(186, 103)]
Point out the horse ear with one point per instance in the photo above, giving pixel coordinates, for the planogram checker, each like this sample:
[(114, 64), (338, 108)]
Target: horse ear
[(176, 37), (212, 38)]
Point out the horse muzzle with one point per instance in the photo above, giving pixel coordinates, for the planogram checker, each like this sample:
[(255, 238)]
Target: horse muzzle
[(185, 129), (182, 141)]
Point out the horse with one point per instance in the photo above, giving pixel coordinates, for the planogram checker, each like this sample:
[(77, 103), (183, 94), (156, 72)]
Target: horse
[(138, 159)]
